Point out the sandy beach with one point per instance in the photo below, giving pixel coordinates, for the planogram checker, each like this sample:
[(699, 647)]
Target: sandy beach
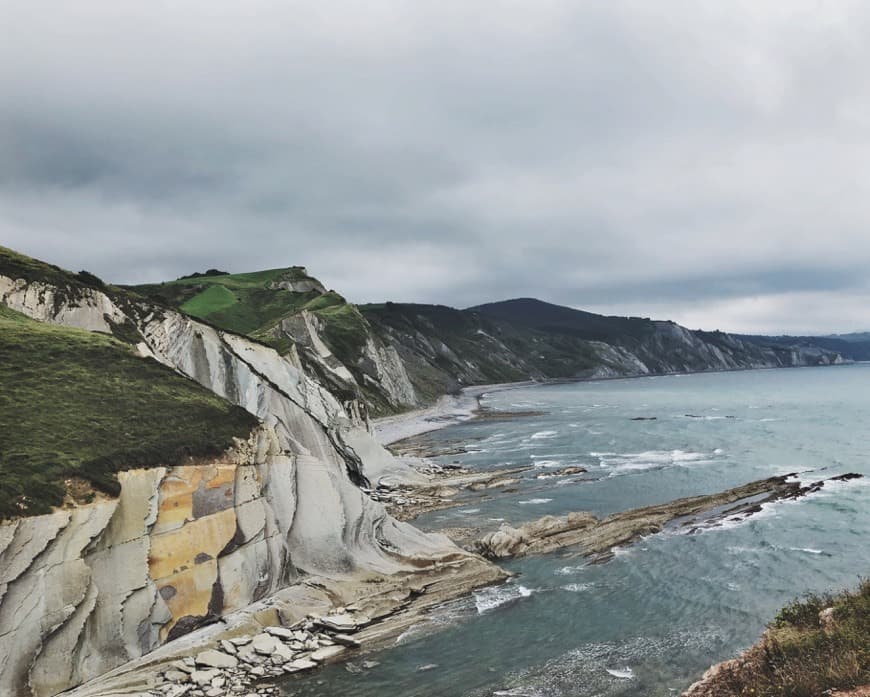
[(449, 409)]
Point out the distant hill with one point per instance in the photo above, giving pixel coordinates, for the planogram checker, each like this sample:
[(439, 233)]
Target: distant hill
[(853, 348), (546, 317), (443, 348), (854, 337)]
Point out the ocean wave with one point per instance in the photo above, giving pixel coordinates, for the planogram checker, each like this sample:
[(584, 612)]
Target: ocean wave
[(806, 550), (621, 673), (491, 598), (534, 502), (543, 435), (576, 587), (547, 463)]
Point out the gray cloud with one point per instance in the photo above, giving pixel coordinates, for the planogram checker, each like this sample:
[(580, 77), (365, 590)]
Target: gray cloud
[(702, 161)]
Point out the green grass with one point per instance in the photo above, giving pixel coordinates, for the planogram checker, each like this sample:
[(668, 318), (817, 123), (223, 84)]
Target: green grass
[(213, 299), (77, 404), (242, 303), (254, 279), (798, 657)]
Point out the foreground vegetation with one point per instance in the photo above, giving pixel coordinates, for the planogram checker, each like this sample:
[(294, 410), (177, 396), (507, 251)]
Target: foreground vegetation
[(77, 406), (807, 651)]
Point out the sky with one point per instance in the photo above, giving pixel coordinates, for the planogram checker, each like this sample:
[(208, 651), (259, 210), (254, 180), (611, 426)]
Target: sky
[(702, 161)]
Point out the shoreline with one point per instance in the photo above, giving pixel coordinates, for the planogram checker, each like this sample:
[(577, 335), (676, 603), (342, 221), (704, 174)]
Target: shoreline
[(450, 409)]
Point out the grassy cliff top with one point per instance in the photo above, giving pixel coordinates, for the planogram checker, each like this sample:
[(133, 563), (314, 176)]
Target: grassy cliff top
[(77, 405), (253, 303), (245, 303)]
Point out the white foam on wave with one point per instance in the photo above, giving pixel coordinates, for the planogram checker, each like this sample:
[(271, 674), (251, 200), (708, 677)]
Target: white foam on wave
[(651, 459), (490, 598), (543, 435), (621, 673), (806, 550), (534, 502), (567, 570), (547, 463), (576, 587)]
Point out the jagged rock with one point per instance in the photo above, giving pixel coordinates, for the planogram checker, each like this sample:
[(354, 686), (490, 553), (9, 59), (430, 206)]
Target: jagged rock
[(228, 647), (216, 659)]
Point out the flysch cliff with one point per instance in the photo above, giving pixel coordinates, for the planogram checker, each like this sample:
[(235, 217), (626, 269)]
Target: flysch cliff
[(85, 590)]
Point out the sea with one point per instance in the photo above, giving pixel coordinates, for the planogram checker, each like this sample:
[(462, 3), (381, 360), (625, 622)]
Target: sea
[(651, 620)]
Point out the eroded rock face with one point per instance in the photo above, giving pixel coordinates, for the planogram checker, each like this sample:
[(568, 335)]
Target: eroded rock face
[(86, 590)]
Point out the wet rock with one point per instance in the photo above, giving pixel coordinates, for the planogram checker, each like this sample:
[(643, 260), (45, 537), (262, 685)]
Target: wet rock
[(299, 664), (346, 640), (326, 653)]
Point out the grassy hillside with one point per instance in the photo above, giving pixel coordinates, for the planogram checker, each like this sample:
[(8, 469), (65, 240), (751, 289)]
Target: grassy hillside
[(76, 405), (255, 303), (802, 654), (244, 303)]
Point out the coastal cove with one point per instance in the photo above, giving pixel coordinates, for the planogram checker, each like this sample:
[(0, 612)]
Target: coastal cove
[(652, 619)]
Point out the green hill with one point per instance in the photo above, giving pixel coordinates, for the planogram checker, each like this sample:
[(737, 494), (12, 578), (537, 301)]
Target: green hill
[(77, 406), (256, 303)]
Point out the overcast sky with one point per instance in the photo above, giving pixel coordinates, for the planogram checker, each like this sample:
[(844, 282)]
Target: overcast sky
[(707, 162)]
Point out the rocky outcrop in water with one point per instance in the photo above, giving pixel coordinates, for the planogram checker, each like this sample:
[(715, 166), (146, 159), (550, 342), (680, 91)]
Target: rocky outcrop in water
[(596, 538)]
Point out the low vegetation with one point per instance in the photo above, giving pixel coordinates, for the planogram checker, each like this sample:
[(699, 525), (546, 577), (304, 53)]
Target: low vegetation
[(245, 303), (808, 650), (80, 406)]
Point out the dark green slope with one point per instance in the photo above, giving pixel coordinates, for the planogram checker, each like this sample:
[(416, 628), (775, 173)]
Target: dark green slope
[(546, 317), (81, 405)]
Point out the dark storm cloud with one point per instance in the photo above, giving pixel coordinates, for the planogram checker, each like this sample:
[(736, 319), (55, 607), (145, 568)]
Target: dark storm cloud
[(696, 160)]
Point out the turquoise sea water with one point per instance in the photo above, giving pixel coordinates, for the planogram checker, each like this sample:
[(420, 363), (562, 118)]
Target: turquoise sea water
[(653, 619)]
